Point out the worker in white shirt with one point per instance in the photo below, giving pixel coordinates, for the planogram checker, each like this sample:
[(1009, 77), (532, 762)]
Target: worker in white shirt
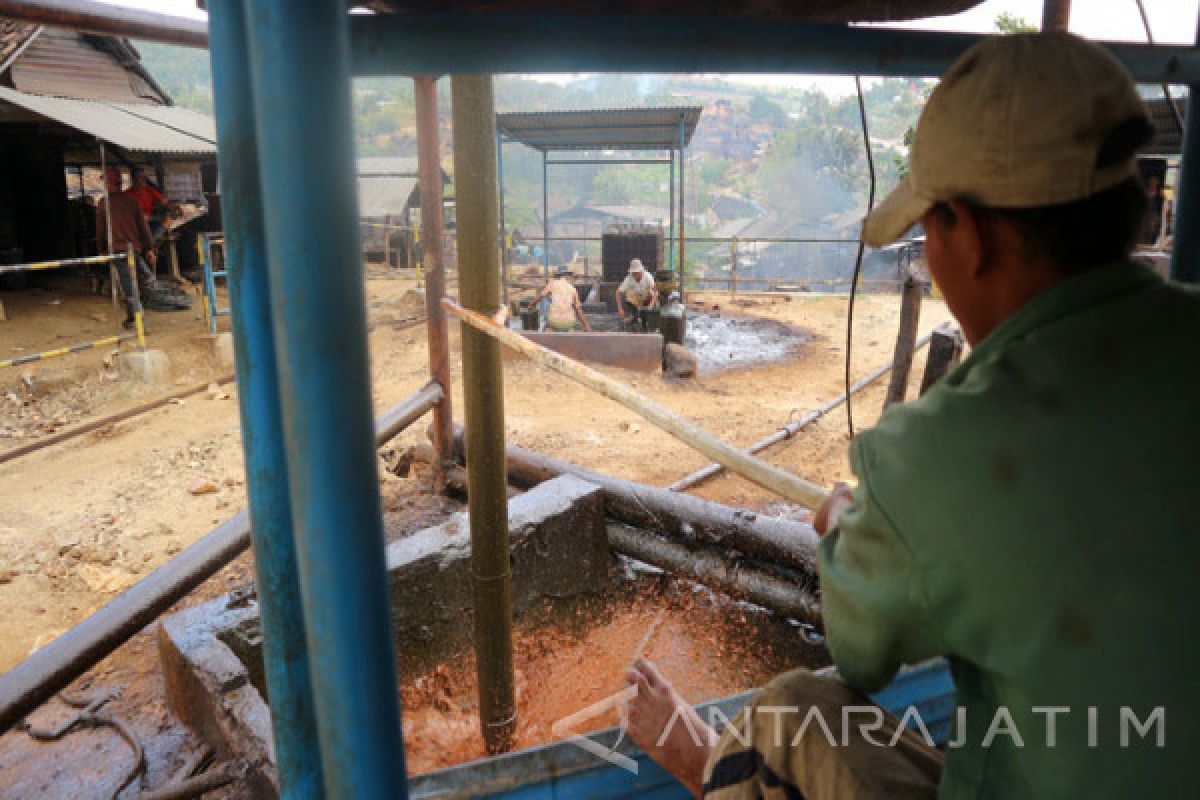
[(638, 291)]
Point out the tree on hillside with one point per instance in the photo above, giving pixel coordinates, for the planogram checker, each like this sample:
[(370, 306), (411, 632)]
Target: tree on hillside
[(1007, 22)]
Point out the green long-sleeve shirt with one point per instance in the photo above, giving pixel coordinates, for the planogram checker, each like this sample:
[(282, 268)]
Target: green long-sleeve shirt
[(1035, 518)]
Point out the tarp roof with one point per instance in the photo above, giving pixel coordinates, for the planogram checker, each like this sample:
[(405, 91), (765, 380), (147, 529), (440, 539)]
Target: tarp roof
[(137, 128), (601, 129)]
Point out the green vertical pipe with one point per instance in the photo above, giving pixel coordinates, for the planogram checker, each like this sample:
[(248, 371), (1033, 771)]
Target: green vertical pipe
[(483, 388)]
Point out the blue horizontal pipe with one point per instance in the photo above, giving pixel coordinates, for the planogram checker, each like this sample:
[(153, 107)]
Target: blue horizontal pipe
[(420, 43), (300, 68)]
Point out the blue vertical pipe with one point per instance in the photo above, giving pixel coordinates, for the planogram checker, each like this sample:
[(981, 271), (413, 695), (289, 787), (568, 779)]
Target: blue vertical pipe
[(503, 228), (1185, 246), (285, 654), (545, 215), (1185, 249), (671, 218), (300, 68)]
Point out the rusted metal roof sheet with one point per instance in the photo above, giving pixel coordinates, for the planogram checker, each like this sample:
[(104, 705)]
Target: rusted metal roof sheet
[(14, 36), (115, 125), (601, 129), (63, 63)]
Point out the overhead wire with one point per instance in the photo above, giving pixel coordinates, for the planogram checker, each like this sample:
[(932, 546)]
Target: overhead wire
[(862, 113)]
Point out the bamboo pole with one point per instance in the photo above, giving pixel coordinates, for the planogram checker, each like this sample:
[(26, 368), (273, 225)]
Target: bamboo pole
[(483, 385), (766, 475)]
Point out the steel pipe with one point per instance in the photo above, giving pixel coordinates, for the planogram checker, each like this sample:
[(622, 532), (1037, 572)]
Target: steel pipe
[(37, 678), (429, 176), (443, 42), (286, 658), (300, 76), (678, 516), (483, 394), (106, 18), (706, 566)]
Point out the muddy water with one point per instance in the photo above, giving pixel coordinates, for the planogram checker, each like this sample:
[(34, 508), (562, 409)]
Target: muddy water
[(708, 647), (726, 342)]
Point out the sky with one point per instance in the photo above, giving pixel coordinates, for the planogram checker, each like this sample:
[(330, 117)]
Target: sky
[(1172, 22)]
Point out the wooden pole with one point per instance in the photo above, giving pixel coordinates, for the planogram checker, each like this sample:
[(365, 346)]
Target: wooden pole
[(760, 472), (906, 339), (483, 384), (429, 177), (945, 351), (1056, 15)]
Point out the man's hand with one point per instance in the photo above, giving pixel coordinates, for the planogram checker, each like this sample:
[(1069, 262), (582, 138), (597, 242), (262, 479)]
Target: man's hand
[(841, 498), (151, 257)]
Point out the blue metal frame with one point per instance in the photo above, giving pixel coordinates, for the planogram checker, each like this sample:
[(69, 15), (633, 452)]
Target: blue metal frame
[(300, 76), (211, 311), (421, 43), (285, 652), (300, 332)]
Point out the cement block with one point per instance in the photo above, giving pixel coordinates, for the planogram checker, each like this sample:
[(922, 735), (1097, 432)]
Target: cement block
[(222, 345), (148, 366), (636, 351), (559, 551)]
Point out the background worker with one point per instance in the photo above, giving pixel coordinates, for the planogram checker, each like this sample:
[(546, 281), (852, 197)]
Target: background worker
[(638, 291), (1030, 517), (565, 310), (155, 207), (121, 211)]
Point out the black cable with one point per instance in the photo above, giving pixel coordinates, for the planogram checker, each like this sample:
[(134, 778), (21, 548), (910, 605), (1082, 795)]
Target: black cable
[(862, 113)]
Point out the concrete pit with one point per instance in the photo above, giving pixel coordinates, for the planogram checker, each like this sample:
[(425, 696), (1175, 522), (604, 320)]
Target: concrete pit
[(581, 614)]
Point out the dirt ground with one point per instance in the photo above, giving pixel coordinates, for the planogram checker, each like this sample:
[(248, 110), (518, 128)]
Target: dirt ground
[(84, 519)]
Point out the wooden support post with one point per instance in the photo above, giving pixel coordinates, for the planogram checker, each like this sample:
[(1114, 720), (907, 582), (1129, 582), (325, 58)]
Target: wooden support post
[(1056, 15), (483, 382), (429, 176), (906, 339), (945, 351)]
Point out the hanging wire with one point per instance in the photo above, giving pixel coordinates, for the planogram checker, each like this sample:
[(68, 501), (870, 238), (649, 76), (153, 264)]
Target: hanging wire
[(862, 113), (1166, 89)]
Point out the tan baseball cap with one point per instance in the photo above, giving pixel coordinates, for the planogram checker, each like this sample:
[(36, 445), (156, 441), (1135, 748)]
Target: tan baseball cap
[(1017, 122)]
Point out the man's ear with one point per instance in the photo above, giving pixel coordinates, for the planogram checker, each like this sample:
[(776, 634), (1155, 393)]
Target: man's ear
[(967, 239)]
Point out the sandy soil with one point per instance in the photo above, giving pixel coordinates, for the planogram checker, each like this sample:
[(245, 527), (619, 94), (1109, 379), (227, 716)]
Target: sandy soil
[(82, 520)]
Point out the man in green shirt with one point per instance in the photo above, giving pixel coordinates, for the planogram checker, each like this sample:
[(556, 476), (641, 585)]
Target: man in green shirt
[(1033, 518)]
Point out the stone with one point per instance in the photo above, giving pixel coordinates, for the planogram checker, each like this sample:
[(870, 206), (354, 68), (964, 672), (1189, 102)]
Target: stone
[(679, 362), (222, 345), (203, 486), (146, 366)]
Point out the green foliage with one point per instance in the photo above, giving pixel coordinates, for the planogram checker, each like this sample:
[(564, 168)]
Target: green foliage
[(1007, 22), (797, 152)]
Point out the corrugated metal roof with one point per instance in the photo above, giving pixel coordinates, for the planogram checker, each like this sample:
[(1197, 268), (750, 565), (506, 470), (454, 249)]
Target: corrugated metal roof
[(387, 165), (1167, 140), (601, 129), (14, 36), (381, 195), (180, 119), (119, 127)]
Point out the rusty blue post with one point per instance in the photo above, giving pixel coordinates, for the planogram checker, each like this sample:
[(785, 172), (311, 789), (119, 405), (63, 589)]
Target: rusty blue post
[(285, 654), (300, 67)]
